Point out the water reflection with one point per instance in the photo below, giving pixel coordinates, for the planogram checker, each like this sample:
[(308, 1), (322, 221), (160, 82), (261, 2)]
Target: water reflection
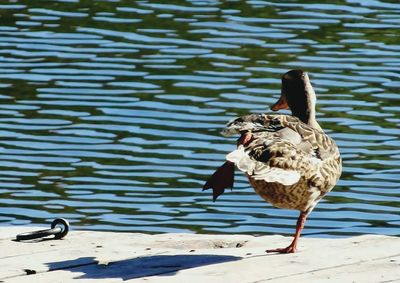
[(110, 110)]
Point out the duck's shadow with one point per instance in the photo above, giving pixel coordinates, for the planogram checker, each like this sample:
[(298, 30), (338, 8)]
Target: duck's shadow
[(165, 265)]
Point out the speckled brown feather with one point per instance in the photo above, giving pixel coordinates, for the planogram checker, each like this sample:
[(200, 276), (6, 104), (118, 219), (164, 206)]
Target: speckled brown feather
[(300, 153)]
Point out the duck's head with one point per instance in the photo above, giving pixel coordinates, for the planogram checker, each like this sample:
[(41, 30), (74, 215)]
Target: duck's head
[(298, 95)]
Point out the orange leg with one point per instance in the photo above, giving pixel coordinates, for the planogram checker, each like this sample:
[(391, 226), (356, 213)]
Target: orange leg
[(292, 248), (245, 139), (223, 177)]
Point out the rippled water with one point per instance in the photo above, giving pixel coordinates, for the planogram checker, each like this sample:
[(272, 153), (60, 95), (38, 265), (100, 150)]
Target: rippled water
[(110, 111)]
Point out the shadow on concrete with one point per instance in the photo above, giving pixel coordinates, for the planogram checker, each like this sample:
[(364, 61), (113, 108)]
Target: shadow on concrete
[(165, 265)]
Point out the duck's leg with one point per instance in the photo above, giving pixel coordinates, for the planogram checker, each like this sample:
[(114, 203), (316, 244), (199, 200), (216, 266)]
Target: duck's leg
[(223, 177), (292, 248), (245, 139)]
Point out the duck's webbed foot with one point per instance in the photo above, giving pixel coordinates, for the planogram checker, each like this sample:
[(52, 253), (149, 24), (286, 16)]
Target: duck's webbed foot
[(222, 179), (287, 250)]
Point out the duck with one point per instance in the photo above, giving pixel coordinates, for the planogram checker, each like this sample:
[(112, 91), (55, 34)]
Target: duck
[(288, 159)]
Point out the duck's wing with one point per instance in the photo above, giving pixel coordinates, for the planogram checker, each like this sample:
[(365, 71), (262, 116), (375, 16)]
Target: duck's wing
[(282, 149)]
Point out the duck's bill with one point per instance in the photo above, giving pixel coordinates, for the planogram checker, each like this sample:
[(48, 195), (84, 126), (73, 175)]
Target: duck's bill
[(280, 104)]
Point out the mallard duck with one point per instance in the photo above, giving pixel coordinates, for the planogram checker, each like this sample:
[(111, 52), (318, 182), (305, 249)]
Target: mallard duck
[(289, 160)]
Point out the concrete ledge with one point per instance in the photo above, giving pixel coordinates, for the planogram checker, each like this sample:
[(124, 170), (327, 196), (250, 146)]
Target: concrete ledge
[(114, 257)]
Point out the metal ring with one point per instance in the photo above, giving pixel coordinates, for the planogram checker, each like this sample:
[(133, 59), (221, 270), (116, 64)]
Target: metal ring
[(56, 230), (64, 231)]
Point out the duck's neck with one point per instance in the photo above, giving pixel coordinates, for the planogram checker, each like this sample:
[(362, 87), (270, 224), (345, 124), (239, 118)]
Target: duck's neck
[(307, 115), (312, 121)]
